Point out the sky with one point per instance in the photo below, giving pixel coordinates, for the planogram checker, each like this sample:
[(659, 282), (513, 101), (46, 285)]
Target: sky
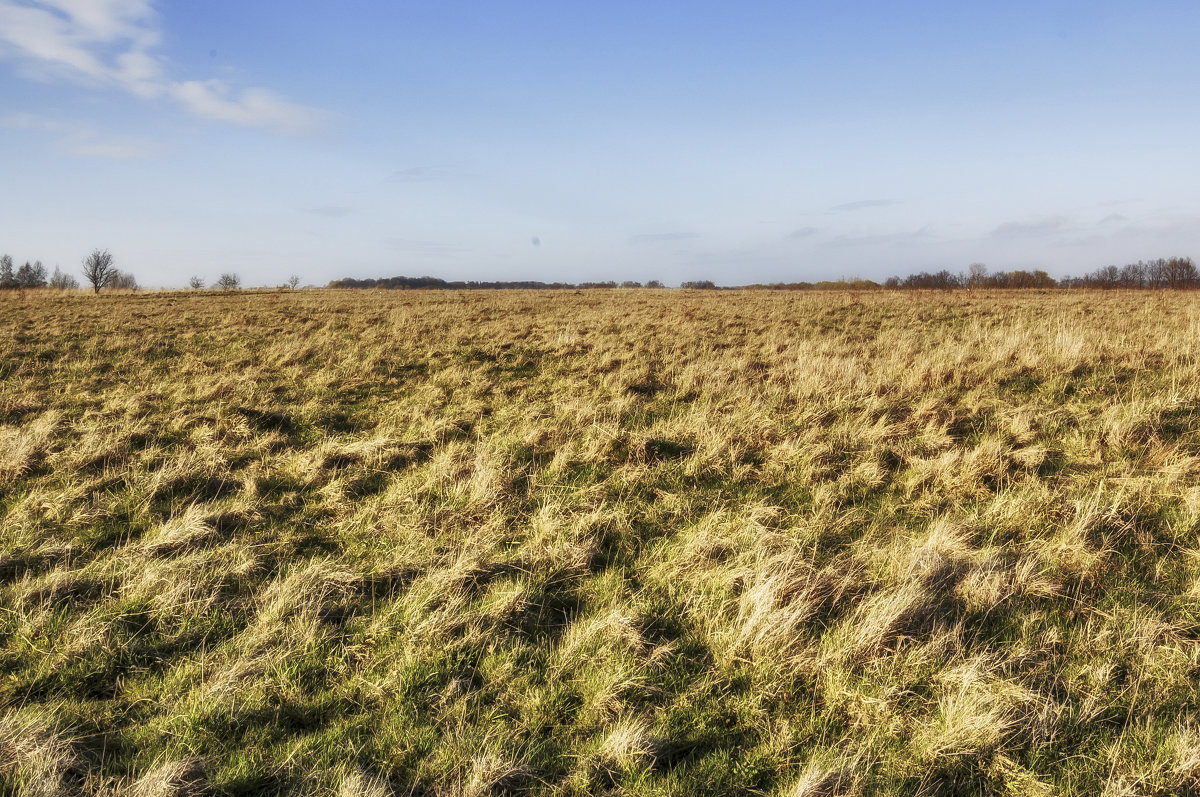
[(583, 141)]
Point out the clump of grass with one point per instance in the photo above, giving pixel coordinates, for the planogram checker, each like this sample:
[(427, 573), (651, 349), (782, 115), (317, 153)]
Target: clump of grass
[(179, 778), (37, 756), (22, 449), (821, 779)]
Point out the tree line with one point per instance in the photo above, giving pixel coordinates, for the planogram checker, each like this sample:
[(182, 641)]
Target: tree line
[(436, 283), (98, 269), (32, 275), (1175, 273)]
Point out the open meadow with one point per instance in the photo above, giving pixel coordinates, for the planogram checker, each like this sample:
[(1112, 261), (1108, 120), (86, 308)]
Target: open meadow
[(626, 541)]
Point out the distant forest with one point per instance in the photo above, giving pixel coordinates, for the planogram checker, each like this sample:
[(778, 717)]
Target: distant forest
[(1175, 273), (426, 283), (1164, 273)]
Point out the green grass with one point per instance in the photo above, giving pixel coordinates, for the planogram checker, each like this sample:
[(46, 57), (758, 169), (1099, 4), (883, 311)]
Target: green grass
[(604, 542)]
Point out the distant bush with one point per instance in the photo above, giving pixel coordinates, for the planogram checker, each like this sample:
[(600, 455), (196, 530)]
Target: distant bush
[(63, 282), (123, 281)]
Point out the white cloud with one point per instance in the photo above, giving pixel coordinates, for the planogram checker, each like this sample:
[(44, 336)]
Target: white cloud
[(426, 248), (427, 174), (31, 121), (111, 18), (663, 237), (1054, 225), (1142, 238), (329, 211), (863, 204), (112, 43), (77, 37), (906, 238), (80, 138), (110, 150), (254, 107)]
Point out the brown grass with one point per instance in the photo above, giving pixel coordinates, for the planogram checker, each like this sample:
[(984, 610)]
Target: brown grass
[(633, 542)]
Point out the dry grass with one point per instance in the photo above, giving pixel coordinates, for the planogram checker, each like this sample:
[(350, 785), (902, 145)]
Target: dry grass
[(600, 542)]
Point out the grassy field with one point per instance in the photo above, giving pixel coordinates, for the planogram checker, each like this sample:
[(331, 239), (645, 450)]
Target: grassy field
[(634, 542)]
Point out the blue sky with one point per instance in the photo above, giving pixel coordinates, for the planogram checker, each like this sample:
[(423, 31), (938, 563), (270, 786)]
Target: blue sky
[(750, 142)]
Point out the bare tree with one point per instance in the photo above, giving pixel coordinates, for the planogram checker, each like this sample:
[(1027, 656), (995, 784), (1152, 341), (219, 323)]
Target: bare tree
[(977, 275), (196, 284), (1180, 272), (98, 269), (293, 282), (229, 281), (63, 282), (124, 281), (1133, 275)]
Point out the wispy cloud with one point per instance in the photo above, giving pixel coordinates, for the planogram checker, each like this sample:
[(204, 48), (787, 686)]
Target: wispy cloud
[(1053, 225), (215, 99), (426, 174), (110, 149), (903, 238), (113, 44), (80, 138), (663, 237), (429, 248), (329, 211), (863, 204), (803, 232), (1112, 218), (31, 121), (1146, 234)]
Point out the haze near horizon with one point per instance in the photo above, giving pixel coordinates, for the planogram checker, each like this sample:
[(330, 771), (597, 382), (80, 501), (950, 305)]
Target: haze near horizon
[(769, 142)]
